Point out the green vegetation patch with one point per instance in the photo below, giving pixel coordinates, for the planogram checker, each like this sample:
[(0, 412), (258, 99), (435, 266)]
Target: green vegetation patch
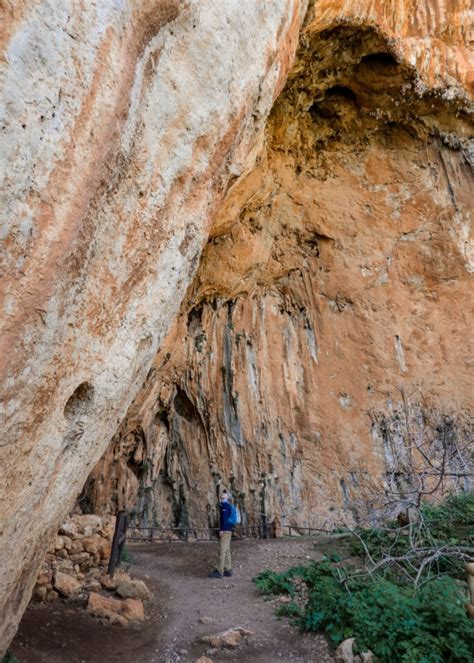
[(397, 623), (8, 658), (403, 617)]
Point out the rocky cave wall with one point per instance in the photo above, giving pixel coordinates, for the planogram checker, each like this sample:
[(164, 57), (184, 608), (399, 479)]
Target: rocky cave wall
[(123, 127), (334, 289)]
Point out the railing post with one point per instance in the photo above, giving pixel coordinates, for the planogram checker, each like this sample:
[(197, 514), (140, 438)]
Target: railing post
[(120, 535), (470, 582)]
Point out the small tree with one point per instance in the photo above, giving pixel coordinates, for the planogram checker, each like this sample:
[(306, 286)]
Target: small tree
[(427, 456)]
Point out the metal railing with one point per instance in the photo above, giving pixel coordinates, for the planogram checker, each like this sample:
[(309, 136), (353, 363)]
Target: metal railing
[(293, 530), (172, 534)]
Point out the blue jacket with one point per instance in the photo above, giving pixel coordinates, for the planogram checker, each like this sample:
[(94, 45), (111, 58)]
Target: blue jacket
[(225, 513)]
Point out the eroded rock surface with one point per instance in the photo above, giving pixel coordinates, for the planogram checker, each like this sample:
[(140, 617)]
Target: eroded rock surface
[(335, 271), (335, 286), (122, 124)]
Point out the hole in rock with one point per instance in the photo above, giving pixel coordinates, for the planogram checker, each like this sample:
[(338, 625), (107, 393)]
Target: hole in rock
[(195, 317), (328, 108), (341, 91), (78, 403), (380, 59), (162, 417), (183, 406)]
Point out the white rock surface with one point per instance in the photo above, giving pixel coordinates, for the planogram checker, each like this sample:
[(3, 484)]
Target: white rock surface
[(122, 124)]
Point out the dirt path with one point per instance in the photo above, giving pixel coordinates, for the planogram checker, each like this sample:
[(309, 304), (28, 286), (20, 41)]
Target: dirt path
[(183, 595)]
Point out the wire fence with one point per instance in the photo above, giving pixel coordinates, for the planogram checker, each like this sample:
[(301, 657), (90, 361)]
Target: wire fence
[(171, 534), (186, 534)]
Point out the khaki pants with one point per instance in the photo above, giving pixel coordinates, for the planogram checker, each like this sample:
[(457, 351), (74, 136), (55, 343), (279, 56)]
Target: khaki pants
[(224, 563)]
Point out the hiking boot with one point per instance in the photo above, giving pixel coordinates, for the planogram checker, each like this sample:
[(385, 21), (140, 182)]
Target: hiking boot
[(228, 573), (215, 574)]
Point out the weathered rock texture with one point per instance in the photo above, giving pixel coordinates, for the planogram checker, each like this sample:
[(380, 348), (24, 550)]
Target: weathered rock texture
[(76, 557), (121, 125), (335, 287), (336, 268)]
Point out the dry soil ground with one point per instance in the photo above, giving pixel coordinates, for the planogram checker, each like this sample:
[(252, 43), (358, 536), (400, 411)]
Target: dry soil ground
[(182, 596)]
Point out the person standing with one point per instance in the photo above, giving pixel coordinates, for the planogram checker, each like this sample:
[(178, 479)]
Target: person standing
[(224, 566)]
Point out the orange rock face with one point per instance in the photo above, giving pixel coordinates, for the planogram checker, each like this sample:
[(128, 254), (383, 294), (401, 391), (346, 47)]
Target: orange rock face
[(334, 288)]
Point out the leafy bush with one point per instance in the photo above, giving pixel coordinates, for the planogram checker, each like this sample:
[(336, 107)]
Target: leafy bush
[(269, 582), (8, 658), (398, 623), (452, 520), (288, 610), (449, 523)]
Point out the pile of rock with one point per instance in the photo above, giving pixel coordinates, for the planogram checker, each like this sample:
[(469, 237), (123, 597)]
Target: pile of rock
[(76, 557), (75, 569), (127, 604)]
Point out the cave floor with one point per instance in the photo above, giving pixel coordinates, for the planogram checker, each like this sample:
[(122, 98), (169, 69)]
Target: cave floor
[(182, 595)]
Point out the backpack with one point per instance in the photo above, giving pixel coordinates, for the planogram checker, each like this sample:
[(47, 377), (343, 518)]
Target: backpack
[(234, 518)]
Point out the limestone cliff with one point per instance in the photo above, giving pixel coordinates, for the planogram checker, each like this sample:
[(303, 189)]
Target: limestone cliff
[(334, 286), (335, 269), (121, 126)]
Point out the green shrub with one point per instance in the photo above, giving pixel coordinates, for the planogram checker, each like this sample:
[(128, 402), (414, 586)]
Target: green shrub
[(289, 610), (401, 624), (451, 522), (8, 658), (269, 582), (397, 623), (126, 558)]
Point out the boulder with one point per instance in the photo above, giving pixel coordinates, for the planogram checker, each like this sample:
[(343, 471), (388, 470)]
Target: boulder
[(52, 596), (106, 608), (227, 639), (65, 566), (44, 578), (94, 573), (203, 659), (112, 583), (345, 653), (132, 609), (66, 584), (133, 589), (69, 529), (40, 593), (105, 548), (81, 558), (108, 527), (92, 585), (91, 544), (76, 546), (88, 524), (115, 611), (57, 543)]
